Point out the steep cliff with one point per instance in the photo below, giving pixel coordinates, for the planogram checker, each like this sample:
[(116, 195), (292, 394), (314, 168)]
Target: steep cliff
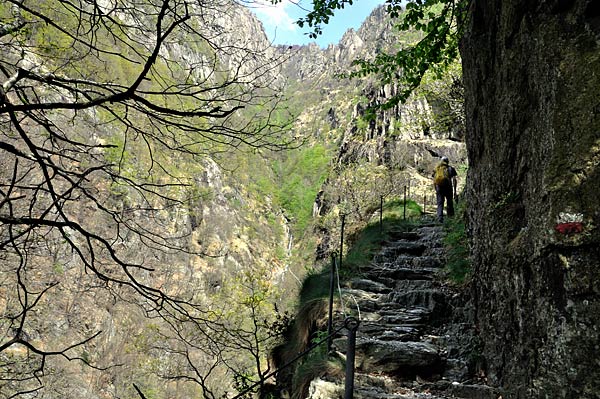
[(531, 72)]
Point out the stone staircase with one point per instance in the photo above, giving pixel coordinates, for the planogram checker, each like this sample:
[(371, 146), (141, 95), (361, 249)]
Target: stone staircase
[(407, 344)]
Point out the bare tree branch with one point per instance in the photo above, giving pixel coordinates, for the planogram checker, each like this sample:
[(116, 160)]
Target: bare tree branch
[(104, 106)]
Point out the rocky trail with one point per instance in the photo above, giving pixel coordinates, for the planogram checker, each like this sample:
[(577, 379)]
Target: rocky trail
[(413, 339)]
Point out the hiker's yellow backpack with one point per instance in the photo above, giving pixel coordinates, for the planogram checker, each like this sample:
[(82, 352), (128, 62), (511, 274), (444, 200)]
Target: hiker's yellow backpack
[(442, 174)]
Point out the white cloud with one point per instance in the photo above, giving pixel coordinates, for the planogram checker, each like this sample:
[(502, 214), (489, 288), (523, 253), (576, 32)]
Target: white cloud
[(275, 16)]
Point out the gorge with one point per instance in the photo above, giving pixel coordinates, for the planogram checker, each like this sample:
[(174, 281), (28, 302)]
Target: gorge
[(169, 178)]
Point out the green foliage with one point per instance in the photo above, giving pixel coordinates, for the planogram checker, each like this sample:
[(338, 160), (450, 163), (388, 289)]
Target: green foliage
[(242, 381), (315, 285), (458, 264), (291, 180), (393, 211), (315, 366), (319, 342), (362, 250), (58, 268), (358, 188), (440, 21), (462, 169), (362, 244), (322, 11), (60, 39), (444, 91), (362, 124), (300, 178)]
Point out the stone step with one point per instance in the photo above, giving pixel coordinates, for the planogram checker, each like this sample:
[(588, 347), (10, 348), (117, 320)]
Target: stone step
[(412, 285), (366, 387), (400, 273), (391, 315), (373, 393), (439, 252), (403, 285), (372, 328), (427, 391), (431, 261), (456, 370), (464, 390), (423, 261), (372, 386), (431, 237), (393, 250), (369, 285), (357, 295), (381, 383), (433, 299), (402, 358), (416, 316), (391, 332), (406, 358), (365, 301), (400, 333), (403, 348), (396, 235)]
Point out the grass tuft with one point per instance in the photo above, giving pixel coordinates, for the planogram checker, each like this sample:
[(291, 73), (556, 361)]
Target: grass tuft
[(319, 364), (458, 264), (315, 285), (365, 242)]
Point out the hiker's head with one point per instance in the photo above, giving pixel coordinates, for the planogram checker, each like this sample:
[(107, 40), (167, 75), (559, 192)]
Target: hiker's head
[(445, 160)]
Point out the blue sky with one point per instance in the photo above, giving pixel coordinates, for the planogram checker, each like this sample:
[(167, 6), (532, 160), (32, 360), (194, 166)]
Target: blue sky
[(279, 21)]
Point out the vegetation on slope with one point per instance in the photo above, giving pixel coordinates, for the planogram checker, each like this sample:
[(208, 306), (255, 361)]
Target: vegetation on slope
[(212, 285)]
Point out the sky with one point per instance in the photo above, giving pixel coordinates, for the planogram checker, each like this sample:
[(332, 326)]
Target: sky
[(279, 21)]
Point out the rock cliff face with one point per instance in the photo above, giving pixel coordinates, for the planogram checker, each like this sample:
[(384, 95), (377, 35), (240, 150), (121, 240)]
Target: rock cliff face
[(215, 228), (408, 135), (531, 72), (396, 148)]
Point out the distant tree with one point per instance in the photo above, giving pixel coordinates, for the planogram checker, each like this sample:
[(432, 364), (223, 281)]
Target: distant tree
[(98, 117)]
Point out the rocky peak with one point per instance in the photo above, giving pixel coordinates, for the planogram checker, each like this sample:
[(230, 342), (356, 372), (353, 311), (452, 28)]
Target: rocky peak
[(310, 61)]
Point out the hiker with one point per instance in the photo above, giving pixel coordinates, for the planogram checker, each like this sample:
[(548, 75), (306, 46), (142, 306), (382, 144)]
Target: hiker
[(444, 181)]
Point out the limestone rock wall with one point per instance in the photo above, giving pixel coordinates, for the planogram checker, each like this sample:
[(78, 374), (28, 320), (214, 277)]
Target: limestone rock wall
[(532, 73)]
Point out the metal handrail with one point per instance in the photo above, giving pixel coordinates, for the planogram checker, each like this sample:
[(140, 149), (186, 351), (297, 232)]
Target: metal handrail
[(331, 290)]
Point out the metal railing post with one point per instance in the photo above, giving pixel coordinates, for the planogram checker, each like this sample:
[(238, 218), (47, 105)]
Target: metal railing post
[(351, 323), (331, 289), (381, 215), (342, 241), (404, 215)]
